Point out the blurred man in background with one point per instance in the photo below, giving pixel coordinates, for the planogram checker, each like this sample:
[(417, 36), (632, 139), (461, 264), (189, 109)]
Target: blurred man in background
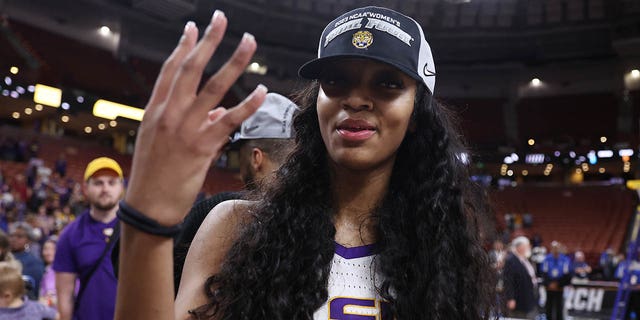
[(264, 141), (581, 269), (84, 247), (556, 272), (520, 282)]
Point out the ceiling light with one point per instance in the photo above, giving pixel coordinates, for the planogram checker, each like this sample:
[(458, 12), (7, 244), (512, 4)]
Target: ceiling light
[(593, 159), (38, 107), (535, 82), (14, 70), (104, 31), (111, 110), (28, 111), (605, 154), (625, 152), (49, 96), (508, 160), (64, 119), (635, 73), (534, 158), (16, 115), (257, 68), (102, 126), (87, 129)]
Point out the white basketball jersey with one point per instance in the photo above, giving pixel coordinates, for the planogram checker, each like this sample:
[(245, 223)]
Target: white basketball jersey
[(352, 291)]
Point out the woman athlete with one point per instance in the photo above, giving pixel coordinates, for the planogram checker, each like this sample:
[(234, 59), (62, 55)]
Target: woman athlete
[(373, 216)]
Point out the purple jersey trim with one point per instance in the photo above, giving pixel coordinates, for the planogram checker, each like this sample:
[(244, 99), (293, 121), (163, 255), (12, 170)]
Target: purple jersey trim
[(356, 252)]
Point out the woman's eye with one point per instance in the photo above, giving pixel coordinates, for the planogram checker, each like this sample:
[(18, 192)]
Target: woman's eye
[(332, 81), (391, 84)]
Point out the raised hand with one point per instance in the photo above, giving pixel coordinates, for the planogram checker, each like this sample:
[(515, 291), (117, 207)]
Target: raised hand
[(178, 139), (180, 135)]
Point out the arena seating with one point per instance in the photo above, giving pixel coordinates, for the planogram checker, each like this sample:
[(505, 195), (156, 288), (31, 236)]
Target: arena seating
[(92, 69), (587, 218), (480, 119), (569, 115), (8, 55), (79, 152)]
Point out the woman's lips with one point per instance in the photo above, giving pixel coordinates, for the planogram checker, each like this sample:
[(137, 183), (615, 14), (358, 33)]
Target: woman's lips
[(356, 130)]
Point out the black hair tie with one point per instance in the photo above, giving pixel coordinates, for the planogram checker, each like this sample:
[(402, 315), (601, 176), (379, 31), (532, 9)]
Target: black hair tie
[(138, 220)]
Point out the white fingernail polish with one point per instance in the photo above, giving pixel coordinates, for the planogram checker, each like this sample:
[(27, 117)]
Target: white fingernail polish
[(216, 14), (247, 36), (189, 25), (262, 87)]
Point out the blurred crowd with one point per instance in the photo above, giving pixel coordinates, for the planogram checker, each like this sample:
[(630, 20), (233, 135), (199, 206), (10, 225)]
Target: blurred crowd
[(35, 206)]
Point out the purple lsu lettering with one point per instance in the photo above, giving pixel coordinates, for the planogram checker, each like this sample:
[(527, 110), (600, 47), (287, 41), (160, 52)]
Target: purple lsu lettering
[(341, 308)]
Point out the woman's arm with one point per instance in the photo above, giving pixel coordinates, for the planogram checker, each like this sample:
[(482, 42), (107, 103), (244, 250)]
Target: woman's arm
[(215, 237), (178, 139)]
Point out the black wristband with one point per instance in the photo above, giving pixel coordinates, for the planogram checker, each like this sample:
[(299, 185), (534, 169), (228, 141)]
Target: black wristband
[(138, 220)]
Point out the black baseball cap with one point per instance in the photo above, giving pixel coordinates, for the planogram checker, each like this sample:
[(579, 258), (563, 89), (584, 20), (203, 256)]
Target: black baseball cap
[(376, 33)]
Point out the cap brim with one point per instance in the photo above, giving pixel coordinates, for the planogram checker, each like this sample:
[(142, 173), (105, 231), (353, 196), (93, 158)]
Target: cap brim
[(235, 140), (313, 69)]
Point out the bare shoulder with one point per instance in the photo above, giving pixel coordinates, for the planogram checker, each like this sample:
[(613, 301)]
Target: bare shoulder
[(218, 232), (216, 235), (227, 214)]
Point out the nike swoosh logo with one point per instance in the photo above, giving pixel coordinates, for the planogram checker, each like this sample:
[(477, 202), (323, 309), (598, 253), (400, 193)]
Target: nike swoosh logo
[(428, 72)]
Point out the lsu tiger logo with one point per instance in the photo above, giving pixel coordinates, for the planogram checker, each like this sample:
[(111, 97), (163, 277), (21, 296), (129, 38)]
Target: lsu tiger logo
[(362, 39)]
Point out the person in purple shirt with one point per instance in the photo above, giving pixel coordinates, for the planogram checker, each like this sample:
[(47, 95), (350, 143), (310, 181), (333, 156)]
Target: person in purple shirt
[(82, 246)]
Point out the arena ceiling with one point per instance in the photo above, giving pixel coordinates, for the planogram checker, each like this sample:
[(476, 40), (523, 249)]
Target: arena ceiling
[(462, 32)]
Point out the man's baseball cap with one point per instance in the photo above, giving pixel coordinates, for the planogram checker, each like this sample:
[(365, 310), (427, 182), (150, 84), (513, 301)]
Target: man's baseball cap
[(99, 164), (376, 33), (272, 120)]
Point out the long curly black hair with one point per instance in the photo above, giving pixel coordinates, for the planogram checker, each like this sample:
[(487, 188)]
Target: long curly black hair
[(431, 259)]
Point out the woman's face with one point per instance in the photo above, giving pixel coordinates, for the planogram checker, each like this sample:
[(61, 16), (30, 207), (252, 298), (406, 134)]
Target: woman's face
[(364, 111), (48, 252)]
